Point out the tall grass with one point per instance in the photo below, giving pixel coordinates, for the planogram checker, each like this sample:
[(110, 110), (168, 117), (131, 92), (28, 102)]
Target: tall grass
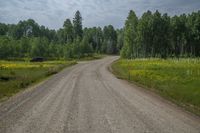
[(17, 75), (177, 80)]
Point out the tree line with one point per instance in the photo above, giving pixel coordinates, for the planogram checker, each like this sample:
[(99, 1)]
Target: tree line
[(159, 35), (28, 39), (151, 35)]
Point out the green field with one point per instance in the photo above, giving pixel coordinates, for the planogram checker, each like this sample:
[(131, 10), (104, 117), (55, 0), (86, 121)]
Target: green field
[(177, 80), (17, 75)]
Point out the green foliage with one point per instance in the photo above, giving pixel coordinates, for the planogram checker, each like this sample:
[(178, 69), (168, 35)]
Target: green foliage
[(178, 80), (145, 34), (3, 29), (95, 36), (77, 21), (68, 31), (157, 35), (86, 47), (110, 40), (152, 35), (27, 40), (130, 48), (120, 39), (39, 47)]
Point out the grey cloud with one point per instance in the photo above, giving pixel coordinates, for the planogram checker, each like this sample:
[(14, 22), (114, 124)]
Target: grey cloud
[(52, 13)]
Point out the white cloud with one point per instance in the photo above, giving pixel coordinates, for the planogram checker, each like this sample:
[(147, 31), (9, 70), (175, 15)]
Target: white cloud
[(52, 13)]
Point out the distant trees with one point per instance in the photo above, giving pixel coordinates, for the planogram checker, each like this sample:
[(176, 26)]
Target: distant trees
[(130, 48), (193, 34), (109, 40), (145, 34), (3, 29), (28, 39), (68, 31), (95, 36), (86, 46), (159, 35), (91, 40), (152, 35), (120, 39)]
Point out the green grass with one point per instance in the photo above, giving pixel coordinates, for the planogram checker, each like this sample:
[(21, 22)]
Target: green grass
[(17, 75), (177, 80), (92, 57)]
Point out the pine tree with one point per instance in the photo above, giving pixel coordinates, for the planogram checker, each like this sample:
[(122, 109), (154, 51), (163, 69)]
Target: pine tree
[(77, 21), (68, 31)]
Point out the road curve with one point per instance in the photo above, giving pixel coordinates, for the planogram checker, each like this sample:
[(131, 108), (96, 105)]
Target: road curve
[(87, 98)]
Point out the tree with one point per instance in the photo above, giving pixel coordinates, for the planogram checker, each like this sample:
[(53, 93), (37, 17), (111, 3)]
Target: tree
[(145, 34), (120, 39), (25, 47), (4, 48), (130, 48), (61, 36), (152, 35), (77, 21), (68, 31), (161, 35), (39, 47), (3, 29), (110, 40), (68, 51), (76, 49), (165, 45), (178, 34), (193, 34), (86, 46), (99, 40)]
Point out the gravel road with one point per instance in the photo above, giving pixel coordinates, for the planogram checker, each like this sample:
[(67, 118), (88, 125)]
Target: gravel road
[(87, 98)]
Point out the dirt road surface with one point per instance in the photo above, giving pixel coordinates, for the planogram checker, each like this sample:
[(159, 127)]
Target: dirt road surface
[(87, 98)]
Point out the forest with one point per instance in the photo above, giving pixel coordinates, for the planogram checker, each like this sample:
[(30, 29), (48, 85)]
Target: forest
[(27, 39), (159, 35), (151, 35)]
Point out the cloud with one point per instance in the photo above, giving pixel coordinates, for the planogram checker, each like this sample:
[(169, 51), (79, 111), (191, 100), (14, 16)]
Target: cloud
[(52, 13)]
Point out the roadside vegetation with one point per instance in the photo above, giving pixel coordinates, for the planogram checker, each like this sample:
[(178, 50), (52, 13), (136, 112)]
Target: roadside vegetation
[(161, 36), (17, 75), (161, 52), (28, 39), (92, 57), (177, 80)]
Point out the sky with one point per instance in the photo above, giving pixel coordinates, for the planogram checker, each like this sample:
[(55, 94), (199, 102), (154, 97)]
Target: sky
[(52, 13)]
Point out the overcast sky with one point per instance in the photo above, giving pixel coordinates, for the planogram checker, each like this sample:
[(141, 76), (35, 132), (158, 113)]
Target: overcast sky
[(52, 13)]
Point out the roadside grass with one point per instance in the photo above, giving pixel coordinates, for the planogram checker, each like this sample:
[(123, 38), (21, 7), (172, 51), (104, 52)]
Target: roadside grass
[(176, 80), (17, 75), (92, 57)]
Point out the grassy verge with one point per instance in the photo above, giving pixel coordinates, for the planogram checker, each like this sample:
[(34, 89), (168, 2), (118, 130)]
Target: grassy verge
[(92, 57), (177, 80), (17, 75)]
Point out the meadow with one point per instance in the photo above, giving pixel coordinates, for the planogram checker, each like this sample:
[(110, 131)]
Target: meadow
[(175, 79), (17, 75)]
